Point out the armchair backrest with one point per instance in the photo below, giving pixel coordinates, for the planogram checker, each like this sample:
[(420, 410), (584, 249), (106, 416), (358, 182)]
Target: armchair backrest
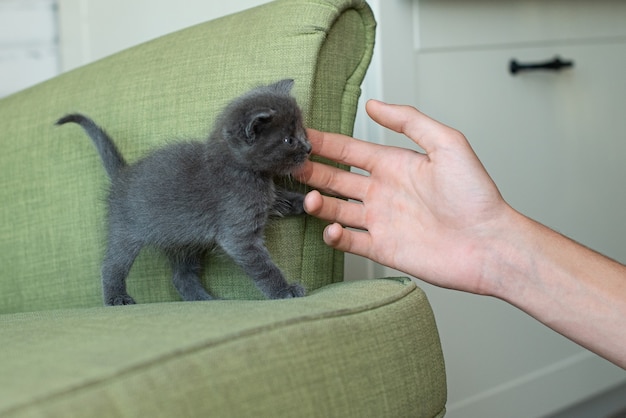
[(53, 186)]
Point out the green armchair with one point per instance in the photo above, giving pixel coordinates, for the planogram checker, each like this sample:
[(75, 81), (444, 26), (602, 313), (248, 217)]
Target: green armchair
[(348, 349)]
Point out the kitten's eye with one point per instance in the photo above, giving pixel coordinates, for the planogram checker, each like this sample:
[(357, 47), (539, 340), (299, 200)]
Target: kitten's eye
[(288, 140)]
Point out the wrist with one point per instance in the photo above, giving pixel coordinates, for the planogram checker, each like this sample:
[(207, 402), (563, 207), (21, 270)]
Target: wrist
[(509, 254)]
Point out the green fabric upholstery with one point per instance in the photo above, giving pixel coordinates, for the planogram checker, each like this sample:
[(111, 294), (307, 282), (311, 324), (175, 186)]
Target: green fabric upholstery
[(365, 348), (53, 185), (315, 357)]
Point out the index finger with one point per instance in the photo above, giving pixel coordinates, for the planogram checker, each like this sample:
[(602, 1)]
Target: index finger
[(344, 149)]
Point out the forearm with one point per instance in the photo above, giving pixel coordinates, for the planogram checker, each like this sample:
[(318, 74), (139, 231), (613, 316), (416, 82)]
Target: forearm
[(570, 288)]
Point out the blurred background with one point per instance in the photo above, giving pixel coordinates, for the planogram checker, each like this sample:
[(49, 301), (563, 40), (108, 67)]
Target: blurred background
[(554, 142)]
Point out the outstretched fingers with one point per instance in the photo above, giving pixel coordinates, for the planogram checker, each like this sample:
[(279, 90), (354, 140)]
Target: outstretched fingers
[(335, 210), (340, 212), (333, 180), (344, 149), (342, 239)]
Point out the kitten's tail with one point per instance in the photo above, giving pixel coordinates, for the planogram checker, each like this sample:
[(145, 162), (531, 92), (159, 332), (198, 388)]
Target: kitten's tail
[(110, 155)]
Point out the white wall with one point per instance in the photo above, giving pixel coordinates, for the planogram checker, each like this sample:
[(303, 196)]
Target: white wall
[(41, 38), (28, 43), (93, 29)]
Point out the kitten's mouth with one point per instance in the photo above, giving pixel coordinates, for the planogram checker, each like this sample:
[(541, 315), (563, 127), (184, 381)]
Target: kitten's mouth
[(301, 159), (298, 163)]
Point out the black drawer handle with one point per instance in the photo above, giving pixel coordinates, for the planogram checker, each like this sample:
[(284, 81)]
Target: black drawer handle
[(556, 64)]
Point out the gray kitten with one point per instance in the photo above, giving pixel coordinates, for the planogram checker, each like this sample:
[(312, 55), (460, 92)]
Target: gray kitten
[(188, 197)]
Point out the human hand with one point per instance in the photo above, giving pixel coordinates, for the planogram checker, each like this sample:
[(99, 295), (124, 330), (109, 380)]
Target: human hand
[(439, 216), (430, 215)]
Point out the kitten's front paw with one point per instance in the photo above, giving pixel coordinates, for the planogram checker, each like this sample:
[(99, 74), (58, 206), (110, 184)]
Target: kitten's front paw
[(297, 205), (288, 204), (295, 290), (119, 300)]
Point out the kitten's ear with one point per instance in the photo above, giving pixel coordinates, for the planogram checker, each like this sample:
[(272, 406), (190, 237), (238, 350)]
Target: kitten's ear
[(257, 121), (284, 86)]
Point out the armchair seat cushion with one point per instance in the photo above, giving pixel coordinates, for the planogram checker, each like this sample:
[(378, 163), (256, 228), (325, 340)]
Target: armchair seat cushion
[(315, 356)]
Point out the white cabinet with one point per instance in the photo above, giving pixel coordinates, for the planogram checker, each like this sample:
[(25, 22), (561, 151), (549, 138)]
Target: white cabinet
[(555, 143)]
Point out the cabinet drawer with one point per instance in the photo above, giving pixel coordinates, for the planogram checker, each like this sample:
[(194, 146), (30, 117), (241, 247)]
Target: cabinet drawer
[(442, 24)]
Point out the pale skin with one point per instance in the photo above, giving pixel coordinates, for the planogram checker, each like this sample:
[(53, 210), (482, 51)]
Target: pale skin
[(439, 216)]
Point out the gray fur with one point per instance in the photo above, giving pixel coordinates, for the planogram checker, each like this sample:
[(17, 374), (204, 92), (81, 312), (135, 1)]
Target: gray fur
[(188, 197)]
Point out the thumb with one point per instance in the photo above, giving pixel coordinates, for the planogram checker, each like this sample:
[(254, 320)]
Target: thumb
[(409, 121)]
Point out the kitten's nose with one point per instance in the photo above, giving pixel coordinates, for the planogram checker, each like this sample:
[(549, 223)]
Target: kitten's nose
[(308, 147)]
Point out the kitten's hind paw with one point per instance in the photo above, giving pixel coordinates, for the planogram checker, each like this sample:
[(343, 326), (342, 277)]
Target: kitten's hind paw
[(119, 300), (292, 291)]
